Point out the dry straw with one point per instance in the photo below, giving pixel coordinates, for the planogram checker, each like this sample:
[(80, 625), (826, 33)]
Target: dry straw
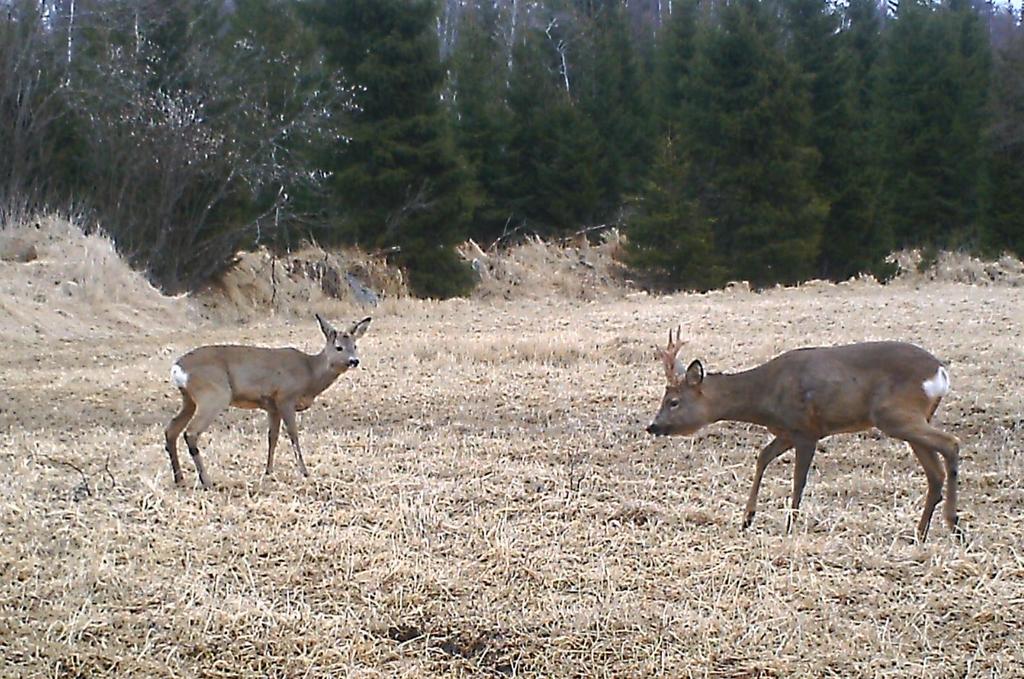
[(484, 502)]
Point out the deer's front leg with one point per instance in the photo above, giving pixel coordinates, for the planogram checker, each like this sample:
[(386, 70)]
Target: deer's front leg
[(777, 447), (288, 415)]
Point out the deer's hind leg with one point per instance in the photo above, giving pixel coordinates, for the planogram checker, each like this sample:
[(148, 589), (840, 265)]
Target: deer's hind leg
[(211, 401), (805, 448), (273, 432), (916, 430), (929, 460), (173, 431)]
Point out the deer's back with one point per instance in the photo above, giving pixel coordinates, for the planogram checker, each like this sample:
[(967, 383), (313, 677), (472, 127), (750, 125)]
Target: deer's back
[(843, 388), (892, 360)]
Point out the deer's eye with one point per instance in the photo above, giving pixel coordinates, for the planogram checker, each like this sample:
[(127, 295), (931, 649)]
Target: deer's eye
[(674, 403)]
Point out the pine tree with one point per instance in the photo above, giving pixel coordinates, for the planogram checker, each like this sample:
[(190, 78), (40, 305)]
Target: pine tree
[(610, 94), (745, 122), (397, 176), (676, 46), (855, 239), (932, 91), (670, 237), (548, 179), (482, 119), (816, 47), (1004, 213)]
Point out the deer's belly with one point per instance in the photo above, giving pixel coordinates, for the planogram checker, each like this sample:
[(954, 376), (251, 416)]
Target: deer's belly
[(249, 403), (849, 427)]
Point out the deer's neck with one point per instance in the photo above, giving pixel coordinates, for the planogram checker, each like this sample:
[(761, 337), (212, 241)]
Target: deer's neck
[(739, 397), (323, 374)]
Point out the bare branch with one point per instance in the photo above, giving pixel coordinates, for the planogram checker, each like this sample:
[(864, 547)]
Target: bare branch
[(82, 490)]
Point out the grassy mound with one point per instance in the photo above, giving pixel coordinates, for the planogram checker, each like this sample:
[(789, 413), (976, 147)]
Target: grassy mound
[(72, 285)]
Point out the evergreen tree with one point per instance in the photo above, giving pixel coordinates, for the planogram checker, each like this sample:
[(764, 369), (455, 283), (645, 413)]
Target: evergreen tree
[(670, 237), (610, 94), (673, 60), (397, 176), (746, 121), (932, 91), (482, 120), (1004, 213), (816, 47), (548, 179), (855, 239)]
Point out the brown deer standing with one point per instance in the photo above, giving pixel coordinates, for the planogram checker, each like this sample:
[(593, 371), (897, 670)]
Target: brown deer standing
[(279, 381), (805, 395)]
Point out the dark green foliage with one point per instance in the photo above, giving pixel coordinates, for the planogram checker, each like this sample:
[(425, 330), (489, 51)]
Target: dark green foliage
[(482, 118), (549, 181), (1004, 204), (746, 124), (855, 239), (832, 71), (669, 236), (397, 179), (438, 272), (930, 100), (610, 95), (676, 47)]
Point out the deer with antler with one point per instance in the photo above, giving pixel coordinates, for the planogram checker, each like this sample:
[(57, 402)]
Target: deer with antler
[(804, 395), (280, 381)]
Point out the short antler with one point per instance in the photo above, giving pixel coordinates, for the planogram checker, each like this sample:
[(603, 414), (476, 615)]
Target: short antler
[(668, 356)]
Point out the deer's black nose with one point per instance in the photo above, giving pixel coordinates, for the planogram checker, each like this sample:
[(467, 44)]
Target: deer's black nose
[(653, 429), (353, 362)]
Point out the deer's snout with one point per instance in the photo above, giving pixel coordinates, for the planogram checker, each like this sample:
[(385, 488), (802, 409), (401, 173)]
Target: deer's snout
[(652, 428), (353, 362)]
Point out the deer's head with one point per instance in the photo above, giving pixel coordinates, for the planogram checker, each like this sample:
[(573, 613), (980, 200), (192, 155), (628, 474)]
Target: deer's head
[(683, 408), (340, 350)]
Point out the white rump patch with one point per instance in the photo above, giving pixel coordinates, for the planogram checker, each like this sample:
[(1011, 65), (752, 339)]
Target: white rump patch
[(179, 376), (938, 385)]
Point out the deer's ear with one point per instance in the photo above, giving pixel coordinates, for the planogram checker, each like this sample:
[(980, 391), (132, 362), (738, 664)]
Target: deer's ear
[(359, 328), (695, 374), (326, 328)]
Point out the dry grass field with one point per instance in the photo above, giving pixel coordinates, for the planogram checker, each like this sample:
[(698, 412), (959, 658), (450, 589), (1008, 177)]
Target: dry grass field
[(484, 502)]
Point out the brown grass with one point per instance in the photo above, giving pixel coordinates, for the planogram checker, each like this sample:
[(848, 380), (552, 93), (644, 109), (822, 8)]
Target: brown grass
[(77, 288), (958, 267), (539, 269), (483, 501)]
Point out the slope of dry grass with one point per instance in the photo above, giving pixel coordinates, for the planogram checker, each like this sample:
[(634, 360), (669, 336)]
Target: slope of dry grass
[(78, 287), (483, 501)]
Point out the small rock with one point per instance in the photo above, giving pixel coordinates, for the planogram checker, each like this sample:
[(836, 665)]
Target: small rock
[(16, 249)]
